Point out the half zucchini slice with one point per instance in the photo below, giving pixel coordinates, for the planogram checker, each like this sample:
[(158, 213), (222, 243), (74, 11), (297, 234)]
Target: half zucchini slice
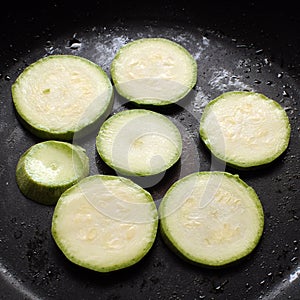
[(60, 95), (105, 223), (245, 129), (49, 168), (211, 218)]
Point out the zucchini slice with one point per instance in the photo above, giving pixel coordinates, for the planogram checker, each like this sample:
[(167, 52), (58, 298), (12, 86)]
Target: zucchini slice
[(60, 95), (245, 129), (105, 223), (211, 218), (153, 71), (49, 168), (139, 142)]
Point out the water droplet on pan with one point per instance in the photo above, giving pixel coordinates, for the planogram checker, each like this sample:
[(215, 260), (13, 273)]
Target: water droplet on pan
[(49, 47), (74, 43), (280, 75), (262, 282), (285, 93), (294, 259), (267, 62)]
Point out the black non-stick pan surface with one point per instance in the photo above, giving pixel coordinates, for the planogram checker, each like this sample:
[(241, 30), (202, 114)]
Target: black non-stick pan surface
[(238, 46)]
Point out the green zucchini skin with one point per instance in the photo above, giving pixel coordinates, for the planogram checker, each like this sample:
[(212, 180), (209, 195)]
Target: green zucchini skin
[(48, 194)]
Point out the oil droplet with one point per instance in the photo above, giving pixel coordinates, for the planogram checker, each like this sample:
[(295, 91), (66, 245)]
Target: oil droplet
[(7, 77)]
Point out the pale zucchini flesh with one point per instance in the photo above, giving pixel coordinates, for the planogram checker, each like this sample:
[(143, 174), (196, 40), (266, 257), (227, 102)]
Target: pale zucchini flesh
[(105, 223), (49, 168), (153, 71), (60, 95), (139, 142), (245, 129), (211, 218)]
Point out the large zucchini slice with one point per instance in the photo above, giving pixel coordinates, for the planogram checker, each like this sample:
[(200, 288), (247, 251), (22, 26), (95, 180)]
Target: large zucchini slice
[(60, 95), (153, 71), (245, 129), (105, 223), (211, 218), (139, 142)]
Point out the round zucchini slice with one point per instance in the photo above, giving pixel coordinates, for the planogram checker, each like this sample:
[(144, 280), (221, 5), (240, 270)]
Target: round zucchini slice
[(49, 168), (60, 95), (153, 71), (105, 223), (245, 129), (211, 218), (139, 142)]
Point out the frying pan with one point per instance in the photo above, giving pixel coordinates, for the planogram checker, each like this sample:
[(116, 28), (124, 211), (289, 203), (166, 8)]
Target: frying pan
[(245, 45)]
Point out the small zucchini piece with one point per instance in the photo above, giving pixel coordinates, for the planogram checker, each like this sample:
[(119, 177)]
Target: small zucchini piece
[(62, 95), (245, 129), (211, 218), (139, 142), (153, 71), (49, 168), (105, 223)]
